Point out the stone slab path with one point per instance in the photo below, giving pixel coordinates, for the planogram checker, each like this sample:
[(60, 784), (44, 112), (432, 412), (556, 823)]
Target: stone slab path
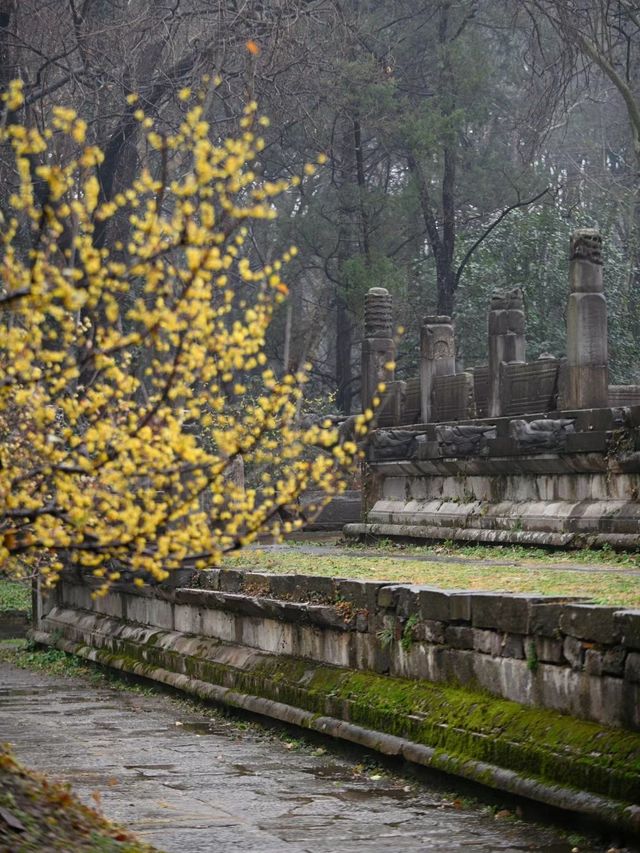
[(188, 782)]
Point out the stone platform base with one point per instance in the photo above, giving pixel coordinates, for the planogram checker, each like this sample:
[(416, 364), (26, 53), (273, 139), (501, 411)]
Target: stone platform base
[(428, 526), (571, 479)]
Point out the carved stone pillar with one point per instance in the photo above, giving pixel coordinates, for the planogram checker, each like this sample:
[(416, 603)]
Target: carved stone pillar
[(437, 358), (378, 347), (507, 341), (586, 376)]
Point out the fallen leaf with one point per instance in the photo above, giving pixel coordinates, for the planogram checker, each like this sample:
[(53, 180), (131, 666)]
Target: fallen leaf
[(11, 820)]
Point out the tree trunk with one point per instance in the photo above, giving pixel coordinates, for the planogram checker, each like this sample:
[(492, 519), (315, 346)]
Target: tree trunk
[(7, 70)]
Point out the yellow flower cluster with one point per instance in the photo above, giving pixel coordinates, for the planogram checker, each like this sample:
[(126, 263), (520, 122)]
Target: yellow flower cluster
[(133, 378)]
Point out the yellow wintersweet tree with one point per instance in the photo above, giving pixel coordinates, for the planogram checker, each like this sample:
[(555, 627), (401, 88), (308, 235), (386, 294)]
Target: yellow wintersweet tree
[(132, 374)]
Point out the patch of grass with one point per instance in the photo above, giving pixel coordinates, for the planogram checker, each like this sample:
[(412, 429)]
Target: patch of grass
[(616, 586), (15, 595), (486, 551), (40, 815), (23, 654)]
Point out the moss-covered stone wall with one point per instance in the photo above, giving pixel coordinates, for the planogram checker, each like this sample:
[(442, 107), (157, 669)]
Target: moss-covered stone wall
[(532, 695)]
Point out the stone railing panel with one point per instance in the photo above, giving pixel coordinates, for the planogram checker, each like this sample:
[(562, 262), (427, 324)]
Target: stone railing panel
[(528, 388), (453, 397)]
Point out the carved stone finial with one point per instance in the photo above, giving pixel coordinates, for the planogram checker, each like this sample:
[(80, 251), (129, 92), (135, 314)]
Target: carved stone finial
[(504, 300), (437, 320), (586, 245), (378, 313), (585, 266)]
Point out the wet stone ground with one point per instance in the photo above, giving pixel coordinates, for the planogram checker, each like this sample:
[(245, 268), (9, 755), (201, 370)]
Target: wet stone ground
[(190, 780)]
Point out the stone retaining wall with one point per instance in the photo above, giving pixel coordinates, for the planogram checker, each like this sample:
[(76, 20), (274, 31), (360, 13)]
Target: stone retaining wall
[(544, 690)]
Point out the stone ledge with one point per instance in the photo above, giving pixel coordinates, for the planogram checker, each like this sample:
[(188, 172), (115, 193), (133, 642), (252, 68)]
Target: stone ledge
[(431, 531)]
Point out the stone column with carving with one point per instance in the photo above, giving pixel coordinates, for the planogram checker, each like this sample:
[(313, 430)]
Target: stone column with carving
[(437, 358), (507, 341), (378, 346), (585, 381)]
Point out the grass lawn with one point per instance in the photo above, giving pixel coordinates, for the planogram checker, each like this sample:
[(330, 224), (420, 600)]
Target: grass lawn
[(15, 595), (520, 570)]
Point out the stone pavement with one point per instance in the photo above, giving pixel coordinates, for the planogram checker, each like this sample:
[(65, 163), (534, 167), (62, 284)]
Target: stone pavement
[(190, 781)]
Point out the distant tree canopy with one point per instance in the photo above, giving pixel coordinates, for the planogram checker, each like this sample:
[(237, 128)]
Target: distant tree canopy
[(133, 375), (445, 124)]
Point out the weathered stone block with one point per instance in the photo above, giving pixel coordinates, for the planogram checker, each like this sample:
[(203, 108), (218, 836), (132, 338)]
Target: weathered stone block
[(586, 380), (590, 622), (441, 605), (362, 594), (180, 577), (257, 583), (586, 442), (362, 622), (209, 578), (573, 652), (545, 619), (593, 662), (14, 623), (231, 580), (627, 622), (109, 605), (632, 667), (548, 650), (407, 601), (285, 587), (459, 637), (327, 617), (487, 642), (430, 631), (506, 613), (248, 606), (187, 619), (295, 612), (437, 358), (613, 661), (513, 646), (541, 434), (195, 597), (316, 588), (387, 596)]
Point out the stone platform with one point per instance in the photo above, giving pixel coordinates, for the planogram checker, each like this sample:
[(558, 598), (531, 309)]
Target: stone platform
[(566, 478)]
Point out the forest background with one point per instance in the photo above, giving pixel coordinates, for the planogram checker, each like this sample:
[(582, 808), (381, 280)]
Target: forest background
[(466, 140)]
